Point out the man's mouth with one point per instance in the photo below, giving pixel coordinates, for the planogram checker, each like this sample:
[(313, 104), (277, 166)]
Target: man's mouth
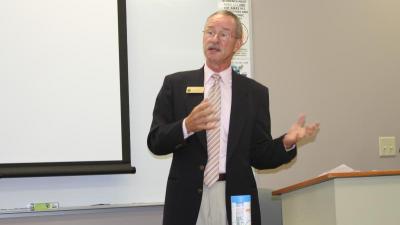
[(214, 48)]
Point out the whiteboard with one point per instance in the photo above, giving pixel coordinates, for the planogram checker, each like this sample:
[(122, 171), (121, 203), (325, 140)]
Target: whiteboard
[(163, 37)]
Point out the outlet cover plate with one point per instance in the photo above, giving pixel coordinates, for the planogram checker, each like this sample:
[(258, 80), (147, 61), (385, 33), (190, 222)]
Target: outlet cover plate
[(387, 146)]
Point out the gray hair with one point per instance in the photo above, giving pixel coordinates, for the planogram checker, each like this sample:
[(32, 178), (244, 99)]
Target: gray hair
[(239, 28)]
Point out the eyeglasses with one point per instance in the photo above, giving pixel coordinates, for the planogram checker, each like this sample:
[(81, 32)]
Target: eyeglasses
[(224, 35)]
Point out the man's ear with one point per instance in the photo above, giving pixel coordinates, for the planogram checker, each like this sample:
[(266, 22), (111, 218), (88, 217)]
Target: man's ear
[(238, 45)]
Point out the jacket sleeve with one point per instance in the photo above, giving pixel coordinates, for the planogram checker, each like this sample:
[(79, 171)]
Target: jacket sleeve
[(166, 134), (267, 153)]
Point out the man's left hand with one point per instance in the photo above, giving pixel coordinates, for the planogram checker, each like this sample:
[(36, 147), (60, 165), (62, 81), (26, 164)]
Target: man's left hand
[(299, 131)]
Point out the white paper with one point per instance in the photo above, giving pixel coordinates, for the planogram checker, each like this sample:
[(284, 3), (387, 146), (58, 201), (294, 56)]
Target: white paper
[(343, 168)]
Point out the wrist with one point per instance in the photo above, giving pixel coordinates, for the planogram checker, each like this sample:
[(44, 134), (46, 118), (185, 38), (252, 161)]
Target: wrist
[(287, 143), (185, 131), (185, 123)]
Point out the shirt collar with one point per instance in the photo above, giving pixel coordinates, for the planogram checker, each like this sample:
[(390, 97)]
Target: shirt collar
[(226, 75)]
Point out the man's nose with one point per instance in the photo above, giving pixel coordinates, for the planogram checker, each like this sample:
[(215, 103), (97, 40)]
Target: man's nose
[(215, 38)]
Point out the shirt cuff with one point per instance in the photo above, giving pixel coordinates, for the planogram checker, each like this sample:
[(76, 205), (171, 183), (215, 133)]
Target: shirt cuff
[(185, 132), (291, 148)]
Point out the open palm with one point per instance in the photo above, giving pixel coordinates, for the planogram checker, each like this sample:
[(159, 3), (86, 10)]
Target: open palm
[(299, 131)]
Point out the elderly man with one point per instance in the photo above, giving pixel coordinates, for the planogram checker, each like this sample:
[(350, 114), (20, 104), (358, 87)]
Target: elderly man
[(216, 123)]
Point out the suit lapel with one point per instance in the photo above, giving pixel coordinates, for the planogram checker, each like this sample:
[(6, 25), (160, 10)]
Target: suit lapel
[(238, 107), (192, 100)]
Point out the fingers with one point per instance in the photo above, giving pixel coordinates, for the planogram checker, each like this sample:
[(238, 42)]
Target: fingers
[(303, 129), (202, 117), (312, 129), (202, 106), (300, 130), (302, 133), (301, 120), (308, 131), (204, 109), (209, 125)]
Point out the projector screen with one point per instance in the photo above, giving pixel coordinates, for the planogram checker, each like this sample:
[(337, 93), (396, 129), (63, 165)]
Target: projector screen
[(63, 88)]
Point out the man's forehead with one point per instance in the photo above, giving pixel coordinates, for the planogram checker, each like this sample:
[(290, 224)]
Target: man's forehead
[(218, 20)]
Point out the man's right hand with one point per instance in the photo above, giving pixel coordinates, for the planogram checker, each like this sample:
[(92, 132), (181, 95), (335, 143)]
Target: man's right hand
[(201, 118)]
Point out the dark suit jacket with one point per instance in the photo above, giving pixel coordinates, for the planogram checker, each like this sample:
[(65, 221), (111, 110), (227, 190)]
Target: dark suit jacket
[(249, 144)]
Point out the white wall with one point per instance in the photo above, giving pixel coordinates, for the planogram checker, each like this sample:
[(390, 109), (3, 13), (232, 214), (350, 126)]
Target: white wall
[(339, 62)]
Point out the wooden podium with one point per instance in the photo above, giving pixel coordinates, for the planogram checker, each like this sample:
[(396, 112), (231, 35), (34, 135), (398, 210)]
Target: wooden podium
[(352, 198)]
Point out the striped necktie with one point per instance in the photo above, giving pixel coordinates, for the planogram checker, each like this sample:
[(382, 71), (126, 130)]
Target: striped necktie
[(211, 172)]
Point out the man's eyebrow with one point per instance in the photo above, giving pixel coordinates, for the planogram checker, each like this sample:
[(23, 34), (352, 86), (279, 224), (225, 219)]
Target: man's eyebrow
[(223, 28)]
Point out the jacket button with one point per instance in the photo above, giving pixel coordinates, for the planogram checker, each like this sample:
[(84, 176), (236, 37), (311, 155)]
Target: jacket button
[(201, 167), (199, 190)]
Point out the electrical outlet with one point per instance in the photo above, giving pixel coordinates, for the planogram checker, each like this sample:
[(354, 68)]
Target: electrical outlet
[(387, 146)]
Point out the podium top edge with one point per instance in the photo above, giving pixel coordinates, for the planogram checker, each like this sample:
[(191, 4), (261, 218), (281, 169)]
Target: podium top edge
[(330, 176)]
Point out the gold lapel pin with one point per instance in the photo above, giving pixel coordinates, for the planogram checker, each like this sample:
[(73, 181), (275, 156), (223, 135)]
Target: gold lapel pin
[(194, 90)]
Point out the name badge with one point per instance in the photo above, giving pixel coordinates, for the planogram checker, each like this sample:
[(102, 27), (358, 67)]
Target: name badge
[(194, 90)]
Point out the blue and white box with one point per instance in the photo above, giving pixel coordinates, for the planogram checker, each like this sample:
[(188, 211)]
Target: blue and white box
[(241, 209)]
